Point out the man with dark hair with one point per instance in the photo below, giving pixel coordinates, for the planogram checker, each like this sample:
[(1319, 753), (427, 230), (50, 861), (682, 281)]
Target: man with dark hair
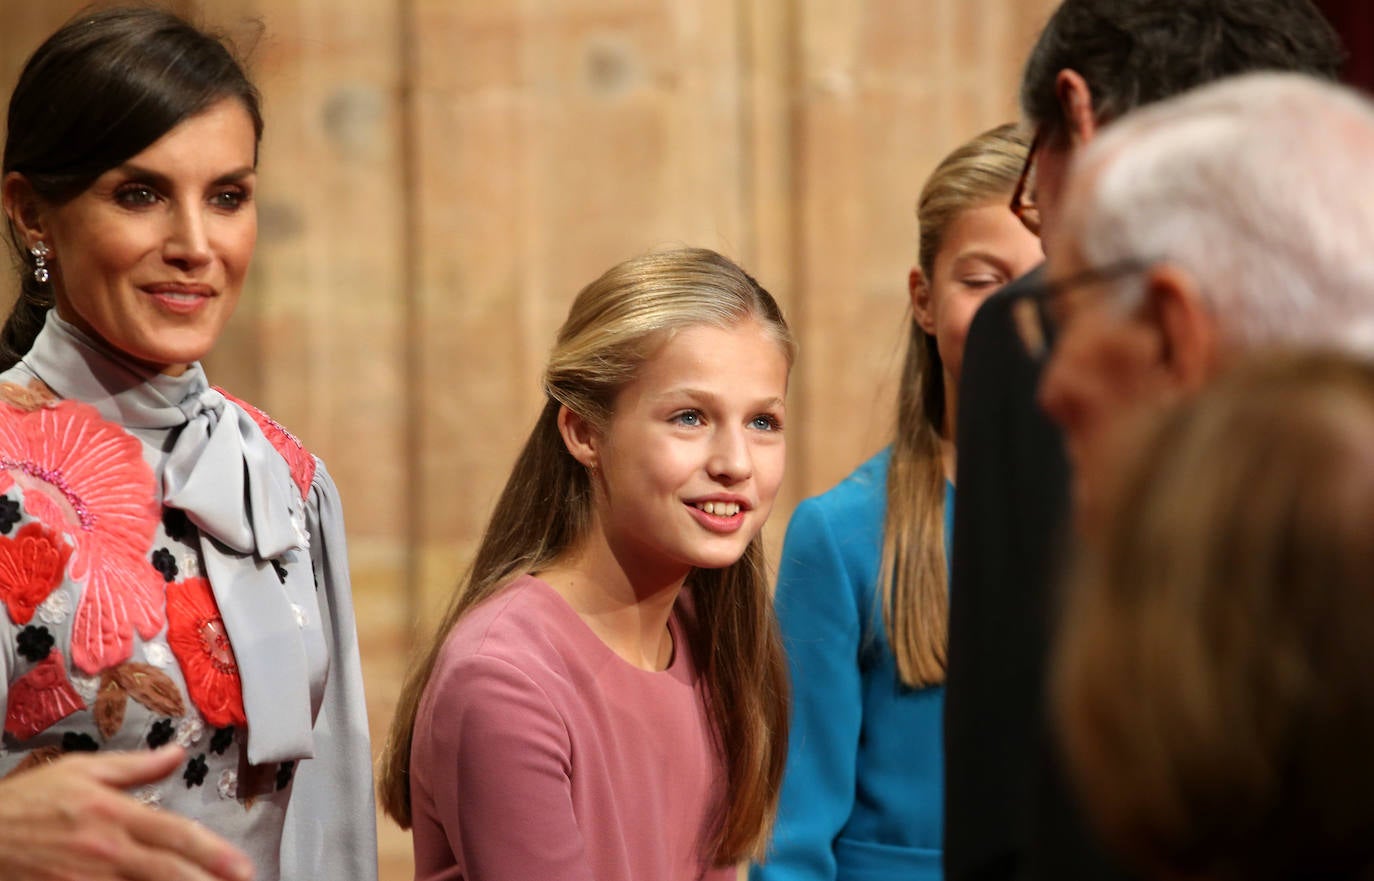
[(1008, 814)]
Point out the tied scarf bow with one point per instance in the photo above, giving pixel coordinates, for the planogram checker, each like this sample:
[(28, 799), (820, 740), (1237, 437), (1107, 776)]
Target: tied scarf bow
[(237, 489), (235, 486), (231, 482)]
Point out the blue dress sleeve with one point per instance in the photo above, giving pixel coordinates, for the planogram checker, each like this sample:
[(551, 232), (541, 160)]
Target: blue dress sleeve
[(821, 627)]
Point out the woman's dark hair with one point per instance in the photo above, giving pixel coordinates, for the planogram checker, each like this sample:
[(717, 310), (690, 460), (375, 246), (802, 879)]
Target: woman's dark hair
[(1136, 52), (100, 90)]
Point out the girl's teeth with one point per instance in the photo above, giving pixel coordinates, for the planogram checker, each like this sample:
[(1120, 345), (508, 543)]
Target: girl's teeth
[(720, 509)]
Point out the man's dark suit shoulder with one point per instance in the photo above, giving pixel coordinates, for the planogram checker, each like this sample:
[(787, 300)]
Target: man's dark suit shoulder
[(1006, 810)]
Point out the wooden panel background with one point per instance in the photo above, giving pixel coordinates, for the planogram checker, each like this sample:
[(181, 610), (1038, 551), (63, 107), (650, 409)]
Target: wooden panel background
[(439, 177)]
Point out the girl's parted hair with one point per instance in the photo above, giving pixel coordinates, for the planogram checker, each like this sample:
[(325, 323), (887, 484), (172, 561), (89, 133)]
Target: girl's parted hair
[(615, 324), (914, 590)]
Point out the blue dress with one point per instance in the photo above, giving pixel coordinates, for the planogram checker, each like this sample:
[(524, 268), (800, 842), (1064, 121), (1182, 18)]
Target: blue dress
[(863, 795)]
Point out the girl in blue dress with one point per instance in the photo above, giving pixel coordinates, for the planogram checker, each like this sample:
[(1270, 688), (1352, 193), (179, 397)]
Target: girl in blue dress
[(862, 588)]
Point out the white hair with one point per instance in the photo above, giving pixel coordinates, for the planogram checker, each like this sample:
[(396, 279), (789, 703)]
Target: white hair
[(1262, 188)]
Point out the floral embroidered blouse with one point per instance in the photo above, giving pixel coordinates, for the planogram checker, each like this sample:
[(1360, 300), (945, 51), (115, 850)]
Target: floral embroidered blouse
[(172, 568)]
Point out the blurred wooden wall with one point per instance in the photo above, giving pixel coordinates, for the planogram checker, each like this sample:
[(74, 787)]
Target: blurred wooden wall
[(439, 178)]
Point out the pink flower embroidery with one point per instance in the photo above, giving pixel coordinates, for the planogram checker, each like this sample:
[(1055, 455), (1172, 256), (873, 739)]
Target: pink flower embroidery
[(297, 457), (85, 478), (41, 699)]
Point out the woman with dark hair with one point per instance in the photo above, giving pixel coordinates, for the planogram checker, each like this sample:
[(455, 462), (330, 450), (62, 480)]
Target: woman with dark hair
[(172, 563)]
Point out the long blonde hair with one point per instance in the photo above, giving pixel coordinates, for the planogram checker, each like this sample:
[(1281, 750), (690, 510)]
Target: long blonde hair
[(913, 590), (614, 325)]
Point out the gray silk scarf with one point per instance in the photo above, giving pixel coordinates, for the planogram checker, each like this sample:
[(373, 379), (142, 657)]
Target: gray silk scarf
[(225, 474)]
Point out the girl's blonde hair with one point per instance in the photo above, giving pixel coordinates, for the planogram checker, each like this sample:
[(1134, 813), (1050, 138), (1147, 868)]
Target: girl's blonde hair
[(615, 324), (914, 590), (1212, 676)]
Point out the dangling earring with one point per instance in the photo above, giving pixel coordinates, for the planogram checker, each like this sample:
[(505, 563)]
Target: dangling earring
[(40, 253)]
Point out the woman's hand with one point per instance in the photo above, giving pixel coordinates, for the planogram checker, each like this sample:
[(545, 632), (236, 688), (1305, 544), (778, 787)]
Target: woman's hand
[(68, 820)]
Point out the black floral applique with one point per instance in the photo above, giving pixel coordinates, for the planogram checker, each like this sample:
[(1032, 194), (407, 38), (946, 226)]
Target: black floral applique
[(196, 769), (161, 734), (284, 771), (35, 643), (9, 514), (78, 743), (164, 562), (222, 739), (177, 525), (279, 569)]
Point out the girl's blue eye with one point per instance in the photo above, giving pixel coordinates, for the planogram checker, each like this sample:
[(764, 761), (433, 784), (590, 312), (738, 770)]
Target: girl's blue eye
[(765, 423), (689, 417)]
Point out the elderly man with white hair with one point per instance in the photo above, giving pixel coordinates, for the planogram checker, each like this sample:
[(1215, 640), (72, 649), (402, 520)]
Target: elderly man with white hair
[(1236, 216)]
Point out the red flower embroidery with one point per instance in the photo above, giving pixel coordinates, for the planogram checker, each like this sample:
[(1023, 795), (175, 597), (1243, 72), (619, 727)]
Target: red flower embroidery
[(31, 566), (197, 636), (297, 457), (85, 478), (41, 699)]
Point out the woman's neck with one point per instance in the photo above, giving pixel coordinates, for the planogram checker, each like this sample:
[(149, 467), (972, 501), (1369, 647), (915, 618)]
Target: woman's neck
[(626, 606)]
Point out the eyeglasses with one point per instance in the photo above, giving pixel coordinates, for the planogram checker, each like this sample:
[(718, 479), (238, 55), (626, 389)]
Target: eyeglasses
[(1039, 317), (1023, 203)]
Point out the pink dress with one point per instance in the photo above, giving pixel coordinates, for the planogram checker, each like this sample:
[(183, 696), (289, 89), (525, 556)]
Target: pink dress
[(541, 754)]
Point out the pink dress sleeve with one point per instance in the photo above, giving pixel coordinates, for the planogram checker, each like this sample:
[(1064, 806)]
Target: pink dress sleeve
[(497, 757)]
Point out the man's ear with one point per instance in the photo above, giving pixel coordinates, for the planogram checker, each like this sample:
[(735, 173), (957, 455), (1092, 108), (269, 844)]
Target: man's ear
[(22, 206), (1076, 104), (922, 299), (1189, 342), (580, 437)]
